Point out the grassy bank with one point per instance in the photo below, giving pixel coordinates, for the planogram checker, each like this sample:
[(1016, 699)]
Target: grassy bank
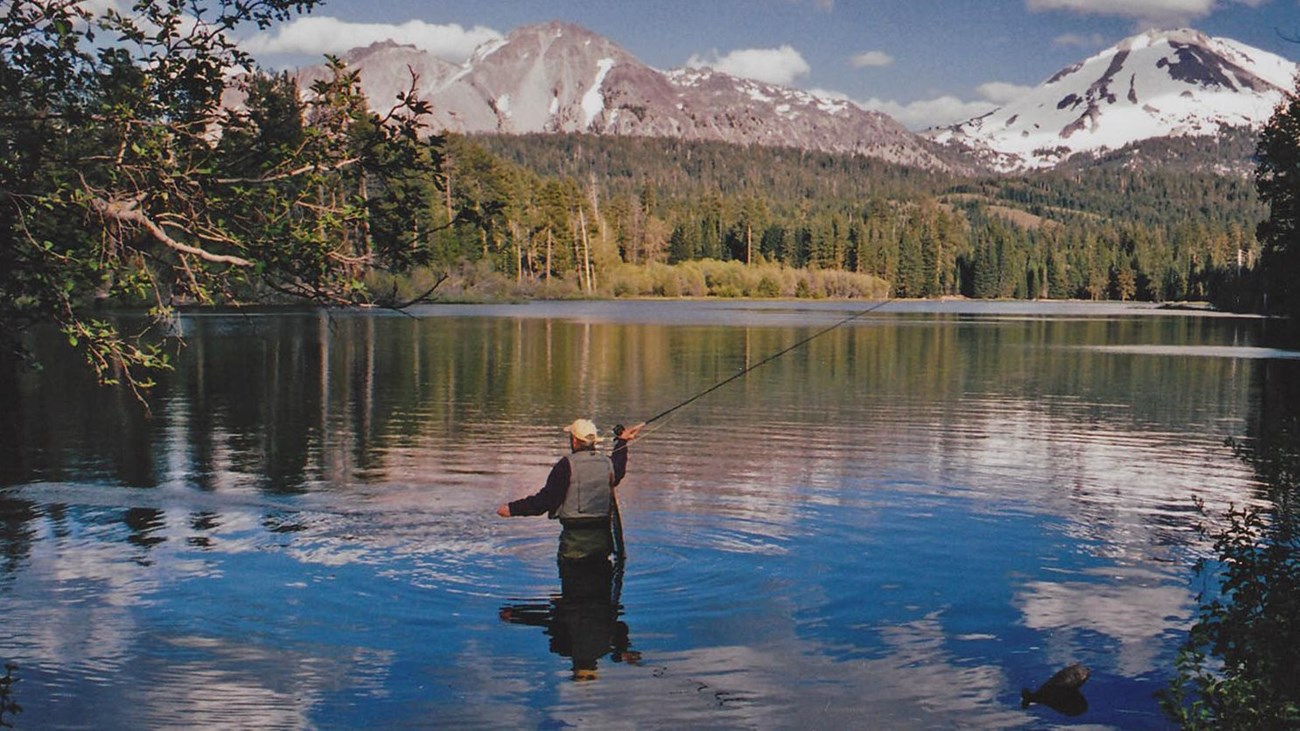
[(703, 278)]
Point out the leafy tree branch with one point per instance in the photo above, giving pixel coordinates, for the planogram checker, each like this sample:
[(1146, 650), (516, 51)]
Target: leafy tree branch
[(125, 176)]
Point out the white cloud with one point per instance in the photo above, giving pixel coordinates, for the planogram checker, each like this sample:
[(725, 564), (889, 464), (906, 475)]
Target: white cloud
[(1079, 40), (1001, 92), (831, 94), (872, 59), (948, 109), (99, 7), (1150, 12), (772, 65), (1134, 616), (318, 35), (927, 113)]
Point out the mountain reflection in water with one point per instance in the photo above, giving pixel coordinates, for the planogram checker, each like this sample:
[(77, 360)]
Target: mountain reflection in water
[(898, 525)]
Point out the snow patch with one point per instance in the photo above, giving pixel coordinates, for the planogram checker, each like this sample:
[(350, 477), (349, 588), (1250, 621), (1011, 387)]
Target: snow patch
[(458, 76), (688, 76), (486, 49), (593, 102), (1270, 67), (1129, 92), (831, 106)]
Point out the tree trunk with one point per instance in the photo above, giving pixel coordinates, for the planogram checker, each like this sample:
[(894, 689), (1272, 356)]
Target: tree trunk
[(586, 250), (367, 242), (577, 253), (446, 188), (519, 252)]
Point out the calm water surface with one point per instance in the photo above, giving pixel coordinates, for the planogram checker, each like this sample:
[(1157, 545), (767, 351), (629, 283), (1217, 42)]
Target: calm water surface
[(898, 525)]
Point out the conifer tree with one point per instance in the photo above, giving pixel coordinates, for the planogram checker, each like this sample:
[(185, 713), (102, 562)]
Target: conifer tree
[(1278, 179), (113, 185)]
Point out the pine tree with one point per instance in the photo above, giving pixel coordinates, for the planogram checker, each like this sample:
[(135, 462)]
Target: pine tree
[(1278, 179)]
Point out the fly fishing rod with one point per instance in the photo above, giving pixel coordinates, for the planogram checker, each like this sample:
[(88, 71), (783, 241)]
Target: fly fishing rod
[(617, 521), (747, 369)]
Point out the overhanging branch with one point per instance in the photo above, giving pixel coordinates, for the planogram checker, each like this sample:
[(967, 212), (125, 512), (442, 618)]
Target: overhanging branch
[(126, 214), (313, 167)]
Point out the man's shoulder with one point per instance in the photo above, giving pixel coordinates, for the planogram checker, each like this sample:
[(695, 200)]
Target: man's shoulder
[(586, 454)]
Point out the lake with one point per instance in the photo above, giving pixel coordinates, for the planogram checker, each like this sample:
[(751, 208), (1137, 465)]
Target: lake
[(898, 524)]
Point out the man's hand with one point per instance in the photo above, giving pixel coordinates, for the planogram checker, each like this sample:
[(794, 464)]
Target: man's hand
[(504, 510), (629, 433)]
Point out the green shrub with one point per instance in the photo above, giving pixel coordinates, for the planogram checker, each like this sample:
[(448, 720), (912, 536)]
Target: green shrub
[(478, 282), (1236, 670)]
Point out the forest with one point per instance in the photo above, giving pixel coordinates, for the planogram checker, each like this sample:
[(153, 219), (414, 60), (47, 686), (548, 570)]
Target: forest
[(149, 163), (1146, 234)]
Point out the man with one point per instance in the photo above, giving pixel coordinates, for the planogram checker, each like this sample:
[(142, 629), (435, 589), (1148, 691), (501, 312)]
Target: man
[(580, 492)]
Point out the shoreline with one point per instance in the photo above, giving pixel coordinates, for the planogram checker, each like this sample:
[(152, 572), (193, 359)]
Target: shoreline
[(633, 307)]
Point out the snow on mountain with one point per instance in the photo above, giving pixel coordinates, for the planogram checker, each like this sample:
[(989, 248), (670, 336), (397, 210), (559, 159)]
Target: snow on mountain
[(558, 77), (1157, 84), (386, 70)]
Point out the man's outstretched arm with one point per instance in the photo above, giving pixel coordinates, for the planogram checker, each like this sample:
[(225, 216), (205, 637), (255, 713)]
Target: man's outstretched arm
[(549, 498)]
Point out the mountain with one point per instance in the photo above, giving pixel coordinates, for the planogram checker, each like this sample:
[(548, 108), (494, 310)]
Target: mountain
[(558, 77), (386, 69), (1159, 84)]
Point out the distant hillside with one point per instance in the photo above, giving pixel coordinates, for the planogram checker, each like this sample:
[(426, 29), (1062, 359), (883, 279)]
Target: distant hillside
[(1187, 186), (683, 167), (1230, 153)]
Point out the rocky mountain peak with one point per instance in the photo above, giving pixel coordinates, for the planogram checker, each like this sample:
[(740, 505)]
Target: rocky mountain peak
[(558, 77), (385, 68), (1156, 84)]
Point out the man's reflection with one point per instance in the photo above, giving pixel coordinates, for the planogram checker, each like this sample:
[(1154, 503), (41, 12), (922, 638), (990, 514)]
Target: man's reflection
[(583, 621)]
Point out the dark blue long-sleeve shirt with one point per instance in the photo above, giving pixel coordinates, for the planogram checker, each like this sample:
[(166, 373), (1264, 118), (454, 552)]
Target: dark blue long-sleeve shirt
[(552, 495)]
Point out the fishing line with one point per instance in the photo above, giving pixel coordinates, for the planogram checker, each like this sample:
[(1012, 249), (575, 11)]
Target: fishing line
[(746, 370), (620, 549)]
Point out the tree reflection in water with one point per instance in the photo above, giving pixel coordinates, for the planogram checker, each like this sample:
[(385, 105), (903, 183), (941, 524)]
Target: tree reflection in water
[(1237, 667), (8, 706), (583, 621)]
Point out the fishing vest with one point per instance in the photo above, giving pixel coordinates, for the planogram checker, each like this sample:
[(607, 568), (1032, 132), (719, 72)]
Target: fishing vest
[(590, 493)]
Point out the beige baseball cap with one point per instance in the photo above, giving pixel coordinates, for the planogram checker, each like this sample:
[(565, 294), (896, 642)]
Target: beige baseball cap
[(583, 430)]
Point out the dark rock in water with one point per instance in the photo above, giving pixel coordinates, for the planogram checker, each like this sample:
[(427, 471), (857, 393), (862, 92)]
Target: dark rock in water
[(1071, 678), (1061, 691), (1066, 701)]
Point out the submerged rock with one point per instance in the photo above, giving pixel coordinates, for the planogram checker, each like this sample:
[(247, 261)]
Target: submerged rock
[(1061, 691)]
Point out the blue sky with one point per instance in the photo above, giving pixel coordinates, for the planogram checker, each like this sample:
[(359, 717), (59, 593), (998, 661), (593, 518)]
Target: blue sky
[(922, 61)]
